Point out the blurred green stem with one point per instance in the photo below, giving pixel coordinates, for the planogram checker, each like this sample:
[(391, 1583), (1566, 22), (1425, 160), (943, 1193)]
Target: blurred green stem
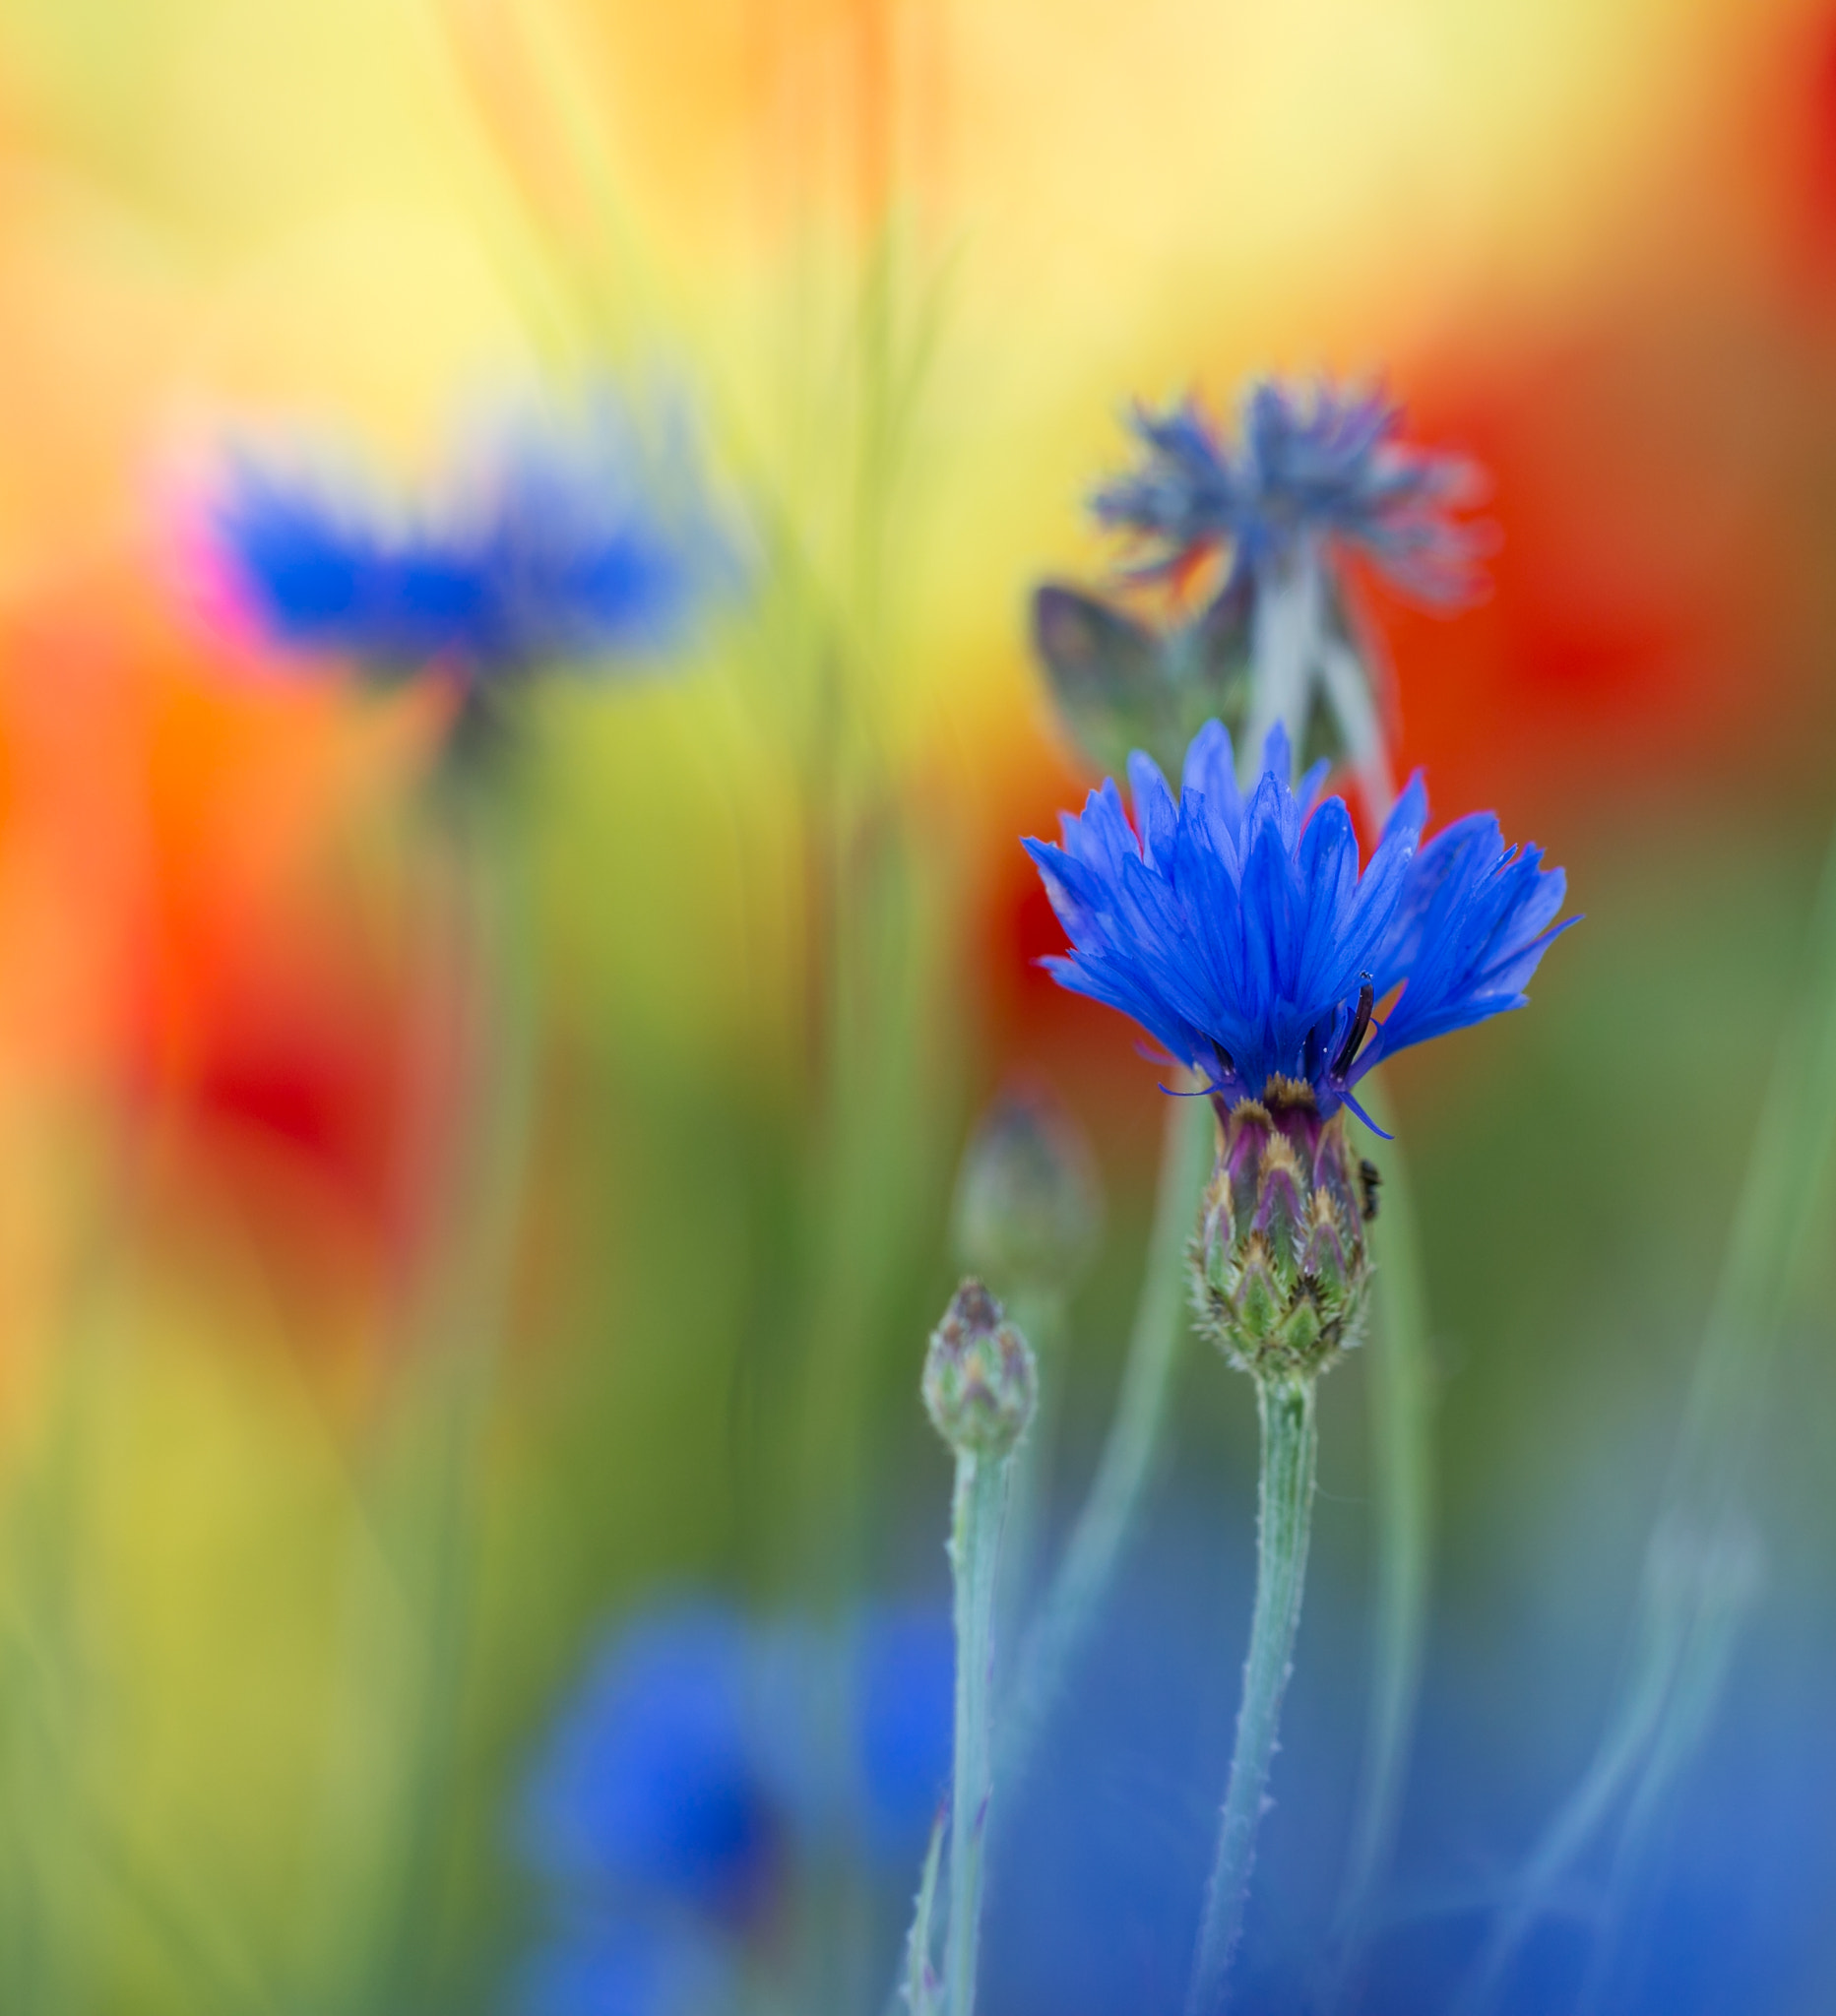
[(406, 1637), (1724, 1578), (1285, 1517), (1402, 1404), (981, 1499), (1658, 1713), (1073, 1602), (1039, 1316)]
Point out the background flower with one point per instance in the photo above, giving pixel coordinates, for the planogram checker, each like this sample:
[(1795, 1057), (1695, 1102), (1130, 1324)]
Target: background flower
[(1323, 467), (570, 536)]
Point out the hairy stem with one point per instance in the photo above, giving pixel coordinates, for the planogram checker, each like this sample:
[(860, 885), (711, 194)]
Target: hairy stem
[(975, 1552), (1074, 1599), (1290, 1441)]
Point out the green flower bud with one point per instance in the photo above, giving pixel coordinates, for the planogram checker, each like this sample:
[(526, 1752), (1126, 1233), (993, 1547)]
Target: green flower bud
[(1029, 1207), (980, 1382), (1121, 685), (1281, 1274)]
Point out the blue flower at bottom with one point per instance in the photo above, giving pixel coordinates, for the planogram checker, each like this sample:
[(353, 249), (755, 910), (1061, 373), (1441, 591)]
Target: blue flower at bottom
[(561, 536), (652, 1778), (623, 1968), (705, 1761), (1240, 933)]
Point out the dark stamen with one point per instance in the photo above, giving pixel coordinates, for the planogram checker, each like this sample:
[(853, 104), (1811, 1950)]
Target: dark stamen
[(1360, 1023)]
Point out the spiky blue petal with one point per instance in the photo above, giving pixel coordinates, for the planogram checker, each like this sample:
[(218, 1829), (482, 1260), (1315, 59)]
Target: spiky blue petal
[(1241, 932), (1327, 468)]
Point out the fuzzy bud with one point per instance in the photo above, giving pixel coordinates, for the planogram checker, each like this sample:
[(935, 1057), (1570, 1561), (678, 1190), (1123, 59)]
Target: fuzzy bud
[(1029, 1207), (980, 1382), (1281, 1273)]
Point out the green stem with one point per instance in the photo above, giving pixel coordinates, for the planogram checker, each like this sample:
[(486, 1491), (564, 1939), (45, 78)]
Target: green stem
[(1724, 1581), (1402, 1405), (1072, 1603), (1289, 1443), (975, 1550), (1038, 1317), (385, 1854), (921, 1982)]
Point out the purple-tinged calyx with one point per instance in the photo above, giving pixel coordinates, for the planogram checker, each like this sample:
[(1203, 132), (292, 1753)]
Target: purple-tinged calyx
[(1280, 1267)]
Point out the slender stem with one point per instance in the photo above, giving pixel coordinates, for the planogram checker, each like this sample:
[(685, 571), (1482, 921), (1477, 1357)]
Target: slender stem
[(1289, 1441), (1072, 1603), (1039, 1316), (974, 1549), (1287, 627), (1402, 1405), (1726, 1578), (921, 1982)]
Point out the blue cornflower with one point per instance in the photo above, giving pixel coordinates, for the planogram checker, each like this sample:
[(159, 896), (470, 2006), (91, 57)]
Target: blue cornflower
[(697, 1769), (1238, 930), (1326, 474), (558, 537), (617, 1968), (652, 1778)]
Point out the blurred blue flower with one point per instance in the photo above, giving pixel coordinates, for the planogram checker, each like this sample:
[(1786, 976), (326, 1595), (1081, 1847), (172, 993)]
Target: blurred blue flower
[(652, 1777), (559, 537), (1329, 472), (904, 1698), (1240, 933), (698, 1766), (619, 1968)]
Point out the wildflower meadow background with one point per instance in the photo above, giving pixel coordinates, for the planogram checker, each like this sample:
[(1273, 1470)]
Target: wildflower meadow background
[(523, 681)]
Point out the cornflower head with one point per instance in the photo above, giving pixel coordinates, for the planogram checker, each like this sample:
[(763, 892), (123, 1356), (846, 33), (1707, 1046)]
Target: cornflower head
[(1325, 474), (577, 536), (695, 1768), (1311, 481), (1239, 931)]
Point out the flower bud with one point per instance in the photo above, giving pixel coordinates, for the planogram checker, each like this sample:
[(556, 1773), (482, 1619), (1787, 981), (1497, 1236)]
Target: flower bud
[(1281, 1271), (980, 1382), (1028, 1204), (1122, 685)]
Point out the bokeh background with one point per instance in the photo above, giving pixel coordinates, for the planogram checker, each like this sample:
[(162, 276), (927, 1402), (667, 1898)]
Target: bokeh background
[(262, 1720)]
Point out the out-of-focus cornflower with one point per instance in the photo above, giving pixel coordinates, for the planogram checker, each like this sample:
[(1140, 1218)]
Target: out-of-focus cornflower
[(1238, 930), (697, 1769), (556, 538), (1308, 478), (1313, 480)]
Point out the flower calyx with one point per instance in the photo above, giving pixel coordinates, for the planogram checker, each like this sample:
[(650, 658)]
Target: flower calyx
[(1280, 1269), (980, 1382)]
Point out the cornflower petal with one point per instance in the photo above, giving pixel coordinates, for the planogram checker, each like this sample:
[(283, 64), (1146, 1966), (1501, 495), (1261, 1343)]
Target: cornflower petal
[(1155, 809), (1242, 935)]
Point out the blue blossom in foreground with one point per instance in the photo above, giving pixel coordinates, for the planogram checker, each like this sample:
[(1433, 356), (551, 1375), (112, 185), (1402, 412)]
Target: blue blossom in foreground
[(1238, 930), (558, 537), (1327, 473), (700, 1768)]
